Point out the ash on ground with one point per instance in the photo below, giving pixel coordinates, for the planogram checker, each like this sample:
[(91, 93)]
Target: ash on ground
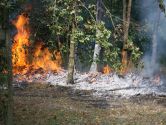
[(104, 85)]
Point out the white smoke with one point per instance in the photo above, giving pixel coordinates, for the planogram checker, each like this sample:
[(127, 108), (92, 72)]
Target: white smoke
[(149, 17)]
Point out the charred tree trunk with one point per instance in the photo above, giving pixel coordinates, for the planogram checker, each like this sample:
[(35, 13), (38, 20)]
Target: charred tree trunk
[(154, 38), (97, 48), (126, 22), (9, 120)]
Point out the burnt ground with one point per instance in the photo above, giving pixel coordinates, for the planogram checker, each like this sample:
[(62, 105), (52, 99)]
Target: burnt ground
[(43, 104)]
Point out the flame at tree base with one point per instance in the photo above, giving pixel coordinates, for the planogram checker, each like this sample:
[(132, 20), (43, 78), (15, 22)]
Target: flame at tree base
[(124, 68), (106, 69), (41, 56)]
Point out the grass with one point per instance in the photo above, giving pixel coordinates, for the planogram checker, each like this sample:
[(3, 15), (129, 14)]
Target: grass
[(57, 106)]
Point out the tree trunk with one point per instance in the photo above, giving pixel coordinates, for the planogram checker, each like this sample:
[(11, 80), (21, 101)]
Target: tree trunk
[(70, 79), (9, 120), (154, 39), (9, 80), (126, 22), (97, 48)]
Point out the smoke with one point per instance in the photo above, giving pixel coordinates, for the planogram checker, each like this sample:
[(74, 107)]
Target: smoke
[(155, 21)]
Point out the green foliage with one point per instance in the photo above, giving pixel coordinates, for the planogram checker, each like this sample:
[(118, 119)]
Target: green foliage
[(7, 4), (103, 35), (60, 15), (111, 52), (135, 51)]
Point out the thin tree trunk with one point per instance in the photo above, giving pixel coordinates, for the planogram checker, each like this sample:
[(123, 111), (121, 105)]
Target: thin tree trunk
[(70, 79), (9, 120), (97, 48), (58, 42), (154, 38), (9, 80), (126, 23), (128, 17)]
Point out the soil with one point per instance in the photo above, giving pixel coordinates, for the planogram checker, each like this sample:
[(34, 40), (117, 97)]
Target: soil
[(44, 104)]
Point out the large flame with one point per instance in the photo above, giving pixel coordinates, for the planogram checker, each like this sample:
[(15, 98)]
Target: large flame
[(106, 69), (44, 59), (21, 44), (41, 57)]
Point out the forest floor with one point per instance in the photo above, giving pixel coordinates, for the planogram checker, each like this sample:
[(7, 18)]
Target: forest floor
[(43, 104)]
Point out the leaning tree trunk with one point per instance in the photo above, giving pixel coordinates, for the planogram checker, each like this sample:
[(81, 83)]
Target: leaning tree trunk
[(9, 120), (70, 79), (97, 48), (126, 23), (154, 40)]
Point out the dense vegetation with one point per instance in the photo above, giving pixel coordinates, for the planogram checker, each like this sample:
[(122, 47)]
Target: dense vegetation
[(89, 34)]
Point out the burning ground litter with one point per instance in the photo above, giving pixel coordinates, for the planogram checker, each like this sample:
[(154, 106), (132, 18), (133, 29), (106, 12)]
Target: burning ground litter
[(102, 85), (112, 84), (41, 68)]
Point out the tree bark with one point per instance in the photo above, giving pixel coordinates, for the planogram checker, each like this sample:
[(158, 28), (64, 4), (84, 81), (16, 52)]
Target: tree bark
[(9, 80), (126, 22), (70, 79), (9, 120), (97, 48)]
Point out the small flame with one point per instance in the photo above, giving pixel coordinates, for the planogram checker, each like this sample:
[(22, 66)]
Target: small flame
[(106, 69), (124, 67), (42, 58)]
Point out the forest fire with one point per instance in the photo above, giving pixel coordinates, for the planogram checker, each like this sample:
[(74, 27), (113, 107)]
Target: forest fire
[(41, 56), (82, 62), (42, 59), (106, 69), (124, 62), (21, 42), (33, 63)]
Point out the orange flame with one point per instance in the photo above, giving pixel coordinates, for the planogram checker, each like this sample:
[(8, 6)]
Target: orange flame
[(42, 58), (124, 67), (106, 69), (21, 44)]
